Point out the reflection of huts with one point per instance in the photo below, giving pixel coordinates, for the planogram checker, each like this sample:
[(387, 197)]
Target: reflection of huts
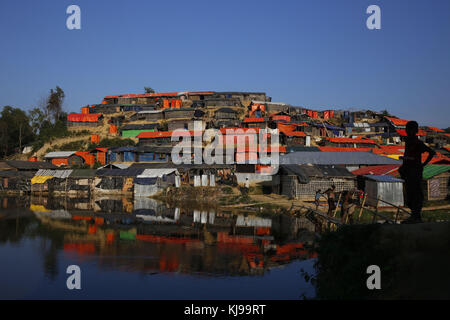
[(436, 181), (302, 181), (152, 181), (385, 188), (132, 130), (14, 181), (115, 181)]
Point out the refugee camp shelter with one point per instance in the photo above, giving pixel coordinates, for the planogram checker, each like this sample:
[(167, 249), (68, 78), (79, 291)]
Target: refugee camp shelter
[(68, 158), (116, 181), (385, 188), (436, 180), (15, 181), (350, 160), (132, 130), (122, 154), (301, 181), (84, 120), (20, 165), (152, 181), (48, 181), (149, 115)]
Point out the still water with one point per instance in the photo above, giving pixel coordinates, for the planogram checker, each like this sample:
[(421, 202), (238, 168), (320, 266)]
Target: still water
[(142, 249)]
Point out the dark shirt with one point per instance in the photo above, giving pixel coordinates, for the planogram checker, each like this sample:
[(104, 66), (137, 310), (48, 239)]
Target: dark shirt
[(413, 151)]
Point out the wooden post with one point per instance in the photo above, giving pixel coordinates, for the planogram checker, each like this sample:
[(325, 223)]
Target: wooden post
[(337, 204), (376, 211), (396, 215), (362, 207)]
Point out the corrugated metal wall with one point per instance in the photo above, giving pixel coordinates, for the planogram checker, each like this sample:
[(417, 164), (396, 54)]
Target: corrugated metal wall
[(391, 192)]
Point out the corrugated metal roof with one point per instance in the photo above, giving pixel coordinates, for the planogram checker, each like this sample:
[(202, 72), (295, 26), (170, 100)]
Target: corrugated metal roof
[(129, 172), (140, 126), (154, 173), (83, 173), (376, 170), (59, 154), (432, 170), (336, 158), (383, 178), (116, 165), (29, 165), (305, 172), (302, 149), (123, 149), (62, 174)]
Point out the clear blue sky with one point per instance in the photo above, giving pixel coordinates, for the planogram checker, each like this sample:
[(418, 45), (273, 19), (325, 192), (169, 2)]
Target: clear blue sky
[(312, 53)]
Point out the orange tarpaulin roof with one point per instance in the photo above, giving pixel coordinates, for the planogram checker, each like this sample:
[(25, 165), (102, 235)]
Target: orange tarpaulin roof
[(344, 149), (159, 94), (81, 117), (402, 132), (350, 140), (397, 122), (435, 129)]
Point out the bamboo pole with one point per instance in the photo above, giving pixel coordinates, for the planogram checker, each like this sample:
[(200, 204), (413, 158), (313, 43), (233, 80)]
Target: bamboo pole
[(362, 207), (376, 211), (337, 204)]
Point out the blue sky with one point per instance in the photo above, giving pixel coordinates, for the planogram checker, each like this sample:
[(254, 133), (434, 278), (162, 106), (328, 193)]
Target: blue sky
[(317, 54)]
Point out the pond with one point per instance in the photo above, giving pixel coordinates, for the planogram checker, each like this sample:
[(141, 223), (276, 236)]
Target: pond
[(143, 249)]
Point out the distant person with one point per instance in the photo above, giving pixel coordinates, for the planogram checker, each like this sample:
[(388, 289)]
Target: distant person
[(331, 194), (317, 199), (412, 169)]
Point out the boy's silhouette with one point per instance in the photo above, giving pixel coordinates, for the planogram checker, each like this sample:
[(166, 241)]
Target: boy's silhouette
[(412, 169)]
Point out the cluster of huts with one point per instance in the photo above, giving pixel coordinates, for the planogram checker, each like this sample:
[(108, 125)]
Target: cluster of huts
[(316, 148)]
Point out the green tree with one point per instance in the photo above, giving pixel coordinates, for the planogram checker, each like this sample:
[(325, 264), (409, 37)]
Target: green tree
[(385, 113), (55, 103), (149, 90), (15, 130)]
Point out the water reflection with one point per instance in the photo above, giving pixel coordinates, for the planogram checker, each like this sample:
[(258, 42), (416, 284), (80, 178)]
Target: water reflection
[(146, 236)]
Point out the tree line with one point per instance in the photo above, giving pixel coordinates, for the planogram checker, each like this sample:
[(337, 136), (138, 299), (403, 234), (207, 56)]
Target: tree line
[(19, 128)]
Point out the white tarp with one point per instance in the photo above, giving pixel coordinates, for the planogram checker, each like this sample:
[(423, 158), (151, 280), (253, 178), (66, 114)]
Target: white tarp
[(155, 173)]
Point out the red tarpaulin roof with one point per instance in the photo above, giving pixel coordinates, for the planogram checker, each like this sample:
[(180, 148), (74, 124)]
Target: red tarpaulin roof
[(402, 132), (397, 122), (377, 170), (350, 140), (81, 117)]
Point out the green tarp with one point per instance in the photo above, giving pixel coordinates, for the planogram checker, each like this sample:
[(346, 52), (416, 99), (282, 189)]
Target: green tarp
[(134, 133), (432, 170)]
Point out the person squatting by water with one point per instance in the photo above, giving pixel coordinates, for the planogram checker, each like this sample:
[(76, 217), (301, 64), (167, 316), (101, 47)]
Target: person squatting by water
[(412, 169)]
